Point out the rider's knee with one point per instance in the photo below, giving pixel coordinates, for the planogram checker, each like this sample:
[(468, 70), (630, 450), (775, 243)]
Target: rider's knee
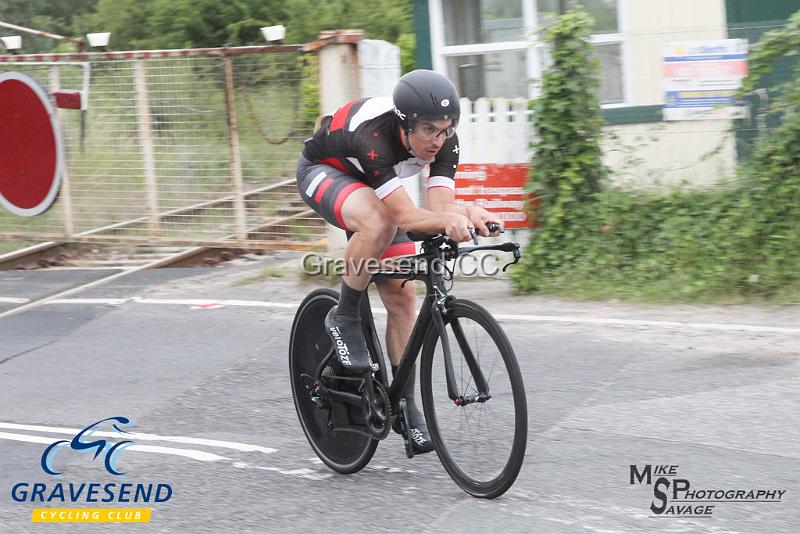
[(399, 301), (380, 229)]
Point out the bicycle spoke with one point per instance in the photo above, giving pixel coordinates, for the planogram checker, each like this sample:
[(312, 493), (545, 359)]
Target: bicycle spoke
[(463, 344)]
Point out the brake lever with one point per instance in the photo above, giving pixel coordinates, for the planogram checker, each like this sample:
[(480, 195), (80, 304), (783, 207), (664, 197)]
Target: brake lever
[(517, 256), (474, 234), (491, 226)]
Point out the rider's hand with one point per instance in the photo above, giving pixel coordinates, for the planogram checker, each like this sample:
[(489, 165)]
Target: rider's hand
[(479, 217), (457, 227)]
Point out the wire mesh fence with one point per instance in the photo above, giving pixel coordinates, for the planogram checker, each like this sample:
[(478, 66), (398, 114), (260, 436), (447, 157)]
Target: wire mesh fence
[(188, 147)]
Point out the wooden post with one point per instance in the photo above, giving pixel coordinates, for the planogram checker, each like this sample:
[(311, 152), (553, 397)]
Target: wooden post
[(146, 143), (66, 192), (233, 144)]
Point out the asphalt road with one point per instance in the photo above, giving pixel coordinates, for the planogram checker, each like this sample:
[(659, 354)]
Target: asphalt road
[(712, 390)]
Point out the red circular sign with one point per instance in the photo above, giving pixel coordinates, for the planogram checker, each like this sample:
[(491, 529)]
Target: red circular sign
[(31, 151)]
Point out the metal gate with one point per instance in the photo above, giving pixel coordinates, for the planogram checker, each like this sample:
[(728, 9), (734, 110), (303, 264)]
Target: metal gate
[(179, 147)]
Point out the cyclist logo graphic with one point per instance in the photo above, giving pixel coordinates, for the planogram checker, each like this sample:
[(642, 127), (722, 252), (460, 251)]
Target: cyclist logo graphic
[(111, 453)]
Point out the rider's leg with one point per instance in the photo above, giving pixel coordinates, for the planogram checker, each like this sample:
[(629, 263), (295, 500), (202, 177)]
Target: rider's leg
[(369, 219), (401, 314), (366, 216), (351, 205)]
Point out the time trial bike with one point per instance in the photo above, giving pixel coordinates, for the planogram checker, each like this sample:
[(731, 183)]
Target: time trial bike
[(473, 395)]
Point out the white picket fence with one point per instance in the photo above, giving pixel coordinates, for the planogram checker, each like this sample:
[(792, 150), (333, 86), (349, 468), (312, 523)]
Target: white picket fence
[(496, 130)]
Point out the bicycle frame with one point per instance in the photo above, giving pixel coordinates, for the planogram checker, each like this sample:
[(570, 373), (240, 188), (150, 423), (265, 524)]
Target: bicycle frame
[(434, 308)]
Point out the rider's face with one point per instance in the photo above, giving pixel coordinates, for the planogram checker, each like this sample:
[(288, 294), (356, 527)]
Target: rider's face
[(424, 140)]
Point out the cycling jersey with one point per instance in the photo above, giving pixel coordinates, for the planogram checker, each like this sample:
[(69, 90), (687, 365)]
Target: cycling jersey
[(362, 139)]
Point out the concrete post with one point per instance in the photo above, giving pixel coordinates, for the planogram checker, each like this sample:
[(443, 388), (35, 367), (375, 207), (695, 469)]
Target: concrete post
[(339, 82), (147, 145)]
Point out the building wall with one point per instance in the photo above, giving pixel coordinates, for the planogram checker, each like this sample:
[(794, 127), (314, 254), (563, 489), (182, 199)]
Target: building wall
[(644, 150), (650, 25), (661, 154)]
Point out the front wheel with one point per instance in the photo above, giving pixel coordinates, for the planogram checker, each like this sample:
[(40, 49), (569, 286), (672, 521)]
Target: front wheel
[(481, 437), (341, 450)]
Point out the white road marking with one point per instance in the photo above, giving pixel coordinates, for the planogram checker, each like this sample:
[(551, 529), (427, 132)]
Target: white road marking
[(14, 300), (109, 302), (242, 447), (302, 472), (188, 453), (641, 322), (194, 454), (566, 319), (388, 469), (201, 302)]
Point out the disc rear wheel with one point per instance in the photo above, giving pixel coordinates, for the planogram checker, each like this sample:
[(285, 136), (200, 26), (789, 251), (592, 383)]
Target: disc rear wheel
[(342, 450)]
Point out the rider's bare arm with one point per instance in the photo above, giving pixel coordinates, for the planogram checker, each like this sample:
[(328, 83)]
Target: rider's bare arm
[(411, 218), (442, 200)]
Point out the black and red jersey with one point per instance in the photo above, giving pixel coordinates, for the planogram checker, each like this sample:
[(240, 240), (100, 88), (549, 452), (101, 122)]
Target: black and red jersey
[(362, 139)]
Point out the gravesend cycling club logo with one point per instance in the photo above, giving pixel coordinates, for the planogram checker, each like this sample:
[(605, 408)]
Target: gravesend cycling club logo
[(97, 445), (106, 451), (676, 497)]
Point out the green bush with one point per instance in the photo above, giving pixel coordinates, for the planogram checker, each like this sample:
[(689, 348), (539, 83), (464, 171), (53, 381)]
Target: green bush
[(567, 167)]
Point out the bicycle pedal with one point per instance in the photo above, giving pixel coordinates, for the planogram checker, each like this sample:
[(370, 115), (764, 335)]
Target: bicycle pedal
[(406, 439)]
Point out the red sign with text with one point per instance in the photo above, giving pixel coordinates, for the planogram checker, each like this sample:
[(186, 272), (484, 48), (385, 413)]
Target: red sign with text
[(496, 187)]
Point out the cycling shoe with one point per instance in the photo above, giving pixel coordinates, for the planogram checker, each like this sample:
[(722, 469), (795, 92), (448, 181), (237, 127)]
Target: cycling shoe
[(349, 344), (419, 436)]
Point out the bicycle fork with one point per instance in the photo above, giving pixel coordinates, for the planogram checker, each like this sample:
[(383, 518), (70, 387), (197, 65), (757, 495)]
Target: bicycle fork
[(438, 311)]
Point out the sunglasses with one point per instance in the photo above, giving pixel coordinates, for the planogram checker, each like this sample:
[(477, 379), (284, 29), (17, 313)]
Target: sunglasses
[(429, 132)]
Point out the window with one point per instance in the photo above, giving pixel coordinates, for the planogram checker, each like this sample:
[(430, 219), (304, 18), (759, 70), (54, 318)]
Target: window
[(611, 88), (490, 47), (603, 11), (482, 21), (494, 74)]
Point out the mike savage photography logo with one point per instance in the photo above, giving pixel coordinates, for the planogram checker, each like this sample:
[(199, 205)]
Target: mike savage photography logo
[(677, 497), (63, 498)]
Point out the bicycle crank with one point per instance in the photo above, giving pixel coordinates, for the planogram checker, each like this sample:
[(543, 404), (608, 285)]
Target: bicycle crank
[(375, 406)]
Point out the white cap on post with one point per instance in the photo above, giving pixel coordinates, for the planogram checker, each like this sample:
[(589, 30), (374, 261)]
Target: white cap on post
[(274, 33), (12, 42), (98, 40)]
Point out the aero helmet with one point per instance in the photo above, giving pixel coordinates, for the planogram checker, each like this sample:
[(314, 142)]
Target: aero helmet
[(424, 94)]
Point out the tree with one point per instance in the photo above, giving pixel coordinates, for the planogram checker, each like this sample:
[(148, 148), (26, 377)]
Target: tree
[(567, 168), (765, 219), (210, 23), (45, 15)]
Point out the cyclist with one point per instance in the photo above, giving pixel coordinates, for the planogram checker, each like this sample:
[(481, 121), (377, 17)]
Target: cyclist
[(350, 173)]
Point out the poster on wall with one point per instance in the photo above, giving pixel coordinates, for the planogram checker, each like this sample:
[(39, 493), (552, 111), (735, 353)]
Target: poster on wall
[(701, 79)]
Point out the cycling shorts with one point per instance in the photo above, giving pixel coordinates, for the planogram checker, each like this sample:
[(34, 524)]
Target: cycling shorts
[(325, 188)]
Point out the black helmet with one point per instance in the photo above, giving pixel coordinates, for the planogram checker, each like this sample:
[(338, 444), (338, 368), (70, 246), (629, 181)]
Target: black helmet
[(424, 94)]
